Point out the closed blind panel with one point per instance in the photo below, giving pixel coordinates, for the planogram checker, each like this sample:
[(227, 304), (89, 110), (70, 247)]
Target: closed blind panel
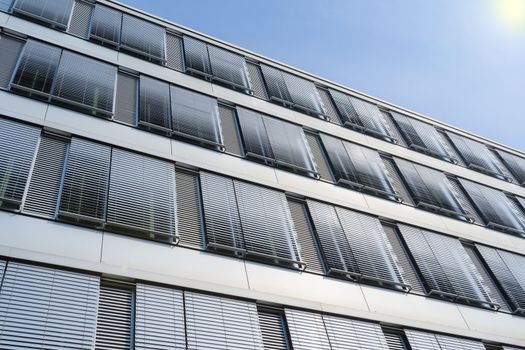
[(453, 343), (221, 214), (219, 323), (347, 334), (142, 194), (54, 12), (475, 154), (493, 206), (84, 192), (46, 308), (174, 52), (428, 187), (36, 68), (256, 80), (395, 179), (422, 340), (329, 106), (80, 19), (17, 148), (159, 318), (319, 157), (189, 220), (255, 138), (106, 24), (230, 130), (114, 320), (266, 222), (511, 285), (307, 330), (228, 67), (305, 237), (275, 84), (515, 164), (195, 115), (516, 265), (126, 103), (143, 38), (10, 50), (196, 55), (91, 88), (273, 329), (154, 103), (46, 178)]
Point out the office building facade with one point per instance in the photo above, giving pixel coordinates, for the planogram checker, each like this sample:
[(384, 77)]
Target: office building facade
[(162, 189)]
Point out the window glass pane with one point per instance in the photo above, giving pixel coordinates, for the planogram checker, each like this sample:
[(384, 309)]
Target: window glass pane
[(255, 139), (515, 164), (154, 103), (56, 12), (196, 55), (195, 115), (143, 38), (37, 67), (105, 24), (228, 66), (91, 87)]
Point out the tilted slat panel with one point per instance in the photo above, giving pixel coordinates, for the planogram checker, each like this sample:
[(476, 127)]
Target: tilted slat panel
[(230, 130), (392, 129), (106, 24), (142, 195), (221, 214), (422, 340), (84, 193), (47, 308), (464, 201), (174, 52), (329, 106), (228, 67), (10, 50), (143, 38), (267, 224), (307, 330), (196, 56), (515, 164), (319, 157), (189, 217), (3, 263), (306, 240), (46, 177), (54, 12), (114, 321), (219, 323), (126, 101), (447, 342), (256, 142), (395, 339), (396, 181), (155, 104), (345, 334), (516, 265), (256, 80), (18, 144), (273, 329), (80, 19), (159, 318)]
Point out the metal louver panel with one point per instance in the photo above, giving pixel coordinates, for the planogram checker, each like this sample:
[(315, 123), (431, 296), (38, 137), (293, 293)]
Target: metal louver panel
[(174, 52), (307, 330), (115, 317), (80, 19), (159, 318), (36, 68), (475, 155), (54, 12), (515, 164), (219, 323), (391, 128), (344, 334), (18, 144), (267, 224), (256, 80), (143, 38), (221, 213), (228, 67), (142, 195), (195, 116), (306, 240), (395, 339), (196, 56), (10, 50), (84, 192), (329, 106), (3, 264), (396, 181), (126, 104), (273, 329), (422, 340), (46, 308), (106, 24), (319, 157), (453, 343), (494, 207), (256, 142), (155, 104), (429, 341), (91, 88), (507, 268), (46, 178), (230, 130), (189, 217), (463, 200)]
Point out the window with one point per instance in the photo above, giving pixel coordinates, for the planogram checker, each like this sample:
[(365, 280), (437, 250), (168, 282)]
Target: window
[(154, 104), (515, 164), (275, 142), (361, 115), (273, 328), (430, 189), (248, 220), (446, 268), (18, 144), (143, 38), (494, 207), (355, 246), (428, 341), (292, 91), (106, 24), (126, 100), (10, 48), (53, 12), (80, 19), (189, 213), (358, 167)]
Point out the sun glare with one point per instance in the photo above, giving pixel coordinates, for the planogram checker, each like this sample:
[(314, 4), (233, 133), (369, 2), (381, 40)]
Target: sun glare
[(512, 12)]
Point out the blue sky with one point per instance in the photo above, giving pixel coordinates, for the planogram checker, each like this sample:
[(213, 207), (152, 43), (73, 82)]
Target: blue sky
[(461, 62)]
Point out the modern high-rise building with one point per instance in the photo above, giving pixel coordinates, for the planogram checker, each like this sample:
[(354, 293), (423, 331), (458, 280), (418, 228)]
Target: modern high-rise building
[(162, 189)]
